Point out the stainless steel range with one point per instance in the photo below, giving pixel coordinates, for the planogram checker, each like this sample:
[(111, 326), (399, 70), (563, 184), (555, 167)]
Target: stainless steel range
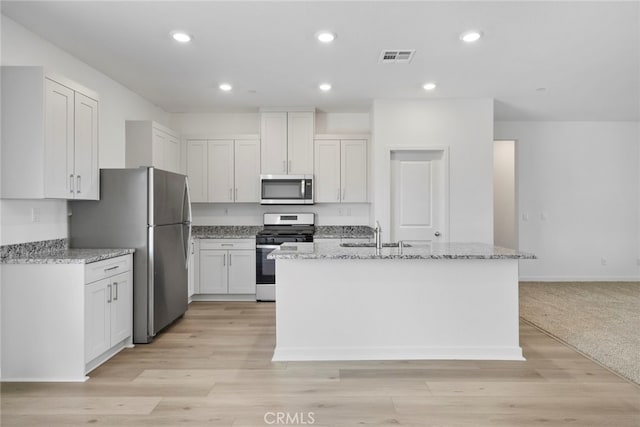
[(278, 229)]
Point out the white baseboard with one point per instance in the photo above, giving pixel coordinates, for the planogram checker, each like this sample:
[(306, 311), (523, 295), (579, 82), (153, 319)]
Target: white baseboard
[(579, 279), (287, 354)]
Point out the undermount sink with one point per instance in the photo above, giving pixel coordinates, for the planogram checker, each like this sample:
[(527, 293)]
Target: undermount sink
[(371, 245)]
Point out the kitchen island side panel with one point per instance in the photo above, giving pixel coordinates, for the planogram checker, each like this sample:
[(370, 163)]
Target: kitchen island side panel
[(397, 309)]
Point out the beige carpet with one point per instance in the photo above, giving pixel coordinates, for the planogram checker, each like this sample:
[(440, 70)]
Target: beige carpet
[(600, 319)]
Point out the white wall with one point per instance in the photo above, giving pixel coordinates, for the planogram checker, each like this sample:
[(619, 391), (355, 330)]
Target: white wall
[(505, 230), (208, 125), (579, 188), (463, 125), (117, 104)]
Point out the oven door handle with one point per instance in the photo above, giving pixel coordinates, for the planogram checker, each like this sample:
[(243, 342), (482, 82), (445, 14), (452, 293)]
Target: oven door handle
[(267, 246)]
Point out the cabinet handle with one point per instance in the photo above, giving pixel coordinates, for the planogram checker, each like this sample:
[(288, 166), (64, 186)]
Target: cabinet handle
[(224, 259), (230, 258), (111, 268), (115, 287), (284, 166), (78, 190), (230, 195), (226, 244), (110, 293), (71, 183)]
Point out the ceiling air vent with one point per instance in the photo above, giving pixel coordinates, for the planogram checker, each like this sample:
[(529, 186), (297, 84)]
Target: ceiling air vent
[(397, 56)]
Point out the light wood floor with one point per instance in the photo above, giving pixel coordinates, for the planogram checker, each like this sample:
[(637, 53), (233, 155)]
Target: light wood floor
[(213, 368)]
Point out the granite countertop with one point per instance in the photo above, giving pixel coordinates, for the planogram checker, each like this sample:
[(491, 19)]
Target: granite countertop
[(66, 256), (343, 232), (333, 250), (225, 231), (249, 231)]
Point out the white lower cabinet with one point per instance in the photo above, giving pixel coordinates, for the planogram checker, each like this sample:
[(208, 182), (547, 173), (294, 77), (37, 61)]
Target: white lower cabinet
[(226, 269), (61, 321), (108, 313)]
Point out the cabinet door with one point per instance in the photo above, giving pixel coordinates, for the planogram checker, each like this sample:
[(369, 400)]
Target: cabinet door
[(172, 154), (354, 171), (300, 142), (59, 179), (220, 174), (197, 169), (242, 272), (121, 307), (97, 301), (247, 171), (273, 135), (327, 171), (213, 272), (86, 147), (158, 142)]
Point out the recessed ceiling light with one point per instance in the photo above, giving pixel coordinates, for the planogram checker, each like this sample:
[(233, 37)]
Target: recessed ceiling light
[(325, 87), (325, 36), (225, 87), (470, 36), (429, 86), (181, 37)]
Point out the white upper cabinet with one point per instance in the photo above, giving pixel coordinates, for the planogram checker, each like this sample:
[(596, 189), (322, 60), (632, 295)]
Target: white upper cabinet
[(340, 171), (151, 144), (247, 171), (220, 174), (287, 142), (49, 136), (327, 171), (224, 170), (197, 169)]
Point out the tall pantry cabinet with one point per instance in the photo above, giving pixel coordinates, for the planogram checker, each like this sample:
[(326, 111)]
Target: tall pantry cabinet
[(49, 136)]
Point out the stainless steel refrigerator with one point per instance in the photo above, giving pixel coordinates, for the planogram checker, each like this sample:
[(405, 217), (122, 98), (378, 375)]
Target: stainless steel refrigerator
[(147, 209)]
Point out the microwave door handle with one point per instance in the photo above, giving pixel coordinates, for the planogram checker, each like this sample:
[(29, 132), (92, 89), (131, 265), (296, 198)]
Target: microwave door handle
[(302, 187)]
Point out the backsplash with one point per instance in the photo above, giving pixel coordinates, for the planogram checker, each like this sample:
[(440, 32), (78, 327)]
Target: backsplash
[(30, 248)]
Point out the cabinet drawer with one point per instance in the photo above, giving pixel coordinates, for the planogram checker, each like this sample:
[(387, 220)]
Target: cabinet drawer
[(107, 268), (228, 244)]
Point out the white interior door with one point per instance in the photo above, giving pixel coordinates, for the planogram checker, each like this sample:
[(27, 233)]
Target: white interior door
[(419, 205)]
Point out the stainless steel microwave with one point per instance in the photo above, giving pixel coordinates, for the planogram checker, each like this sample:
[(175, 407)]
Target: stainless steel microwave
[(286, 189)]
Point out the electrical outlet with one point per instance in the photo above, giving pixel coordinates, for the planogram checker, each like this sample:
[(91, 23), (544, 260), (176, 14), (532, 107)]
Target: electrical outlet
[(544, 216), (525, 217), (603, 261), (35, 214), (340, 212), (226, 211)]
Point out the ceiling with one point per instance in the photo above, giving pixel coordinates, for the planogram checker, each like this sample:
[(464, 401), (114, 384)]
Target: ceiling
[(539, 60)]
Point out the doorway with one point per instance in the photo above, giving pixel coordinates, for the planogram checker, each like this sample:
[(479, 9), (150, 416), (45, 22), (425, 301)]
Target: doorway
[(505, 202), (419, 195)]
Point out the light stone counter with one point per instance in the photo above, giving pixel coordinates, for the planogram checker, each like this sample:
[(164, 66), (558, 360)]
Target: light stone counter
[(225, 231), (67, 256), (334, 250)]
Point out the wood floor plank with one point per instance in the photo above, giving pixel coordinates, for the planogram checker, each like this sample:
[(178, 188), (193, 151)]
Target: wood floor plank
[(213, 368)]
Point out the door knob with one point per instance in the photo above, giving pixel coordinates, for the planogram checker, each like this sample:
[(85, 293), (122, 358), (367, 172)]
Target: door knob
[(437, 234)]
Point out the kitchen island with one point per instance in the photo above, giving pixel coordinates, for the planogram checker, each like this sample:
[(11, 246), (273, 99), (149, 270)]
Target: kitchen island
[(427, 301)]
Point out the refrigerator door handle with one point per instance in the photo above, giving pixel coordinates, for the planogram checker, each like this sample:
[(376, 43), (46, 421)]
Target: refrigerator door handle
[(187, 201)]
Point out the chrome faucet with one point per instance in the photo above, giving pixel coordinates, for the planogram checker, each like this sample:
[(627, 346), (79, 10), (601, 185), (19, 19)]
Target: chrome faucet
[(378, 235)]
